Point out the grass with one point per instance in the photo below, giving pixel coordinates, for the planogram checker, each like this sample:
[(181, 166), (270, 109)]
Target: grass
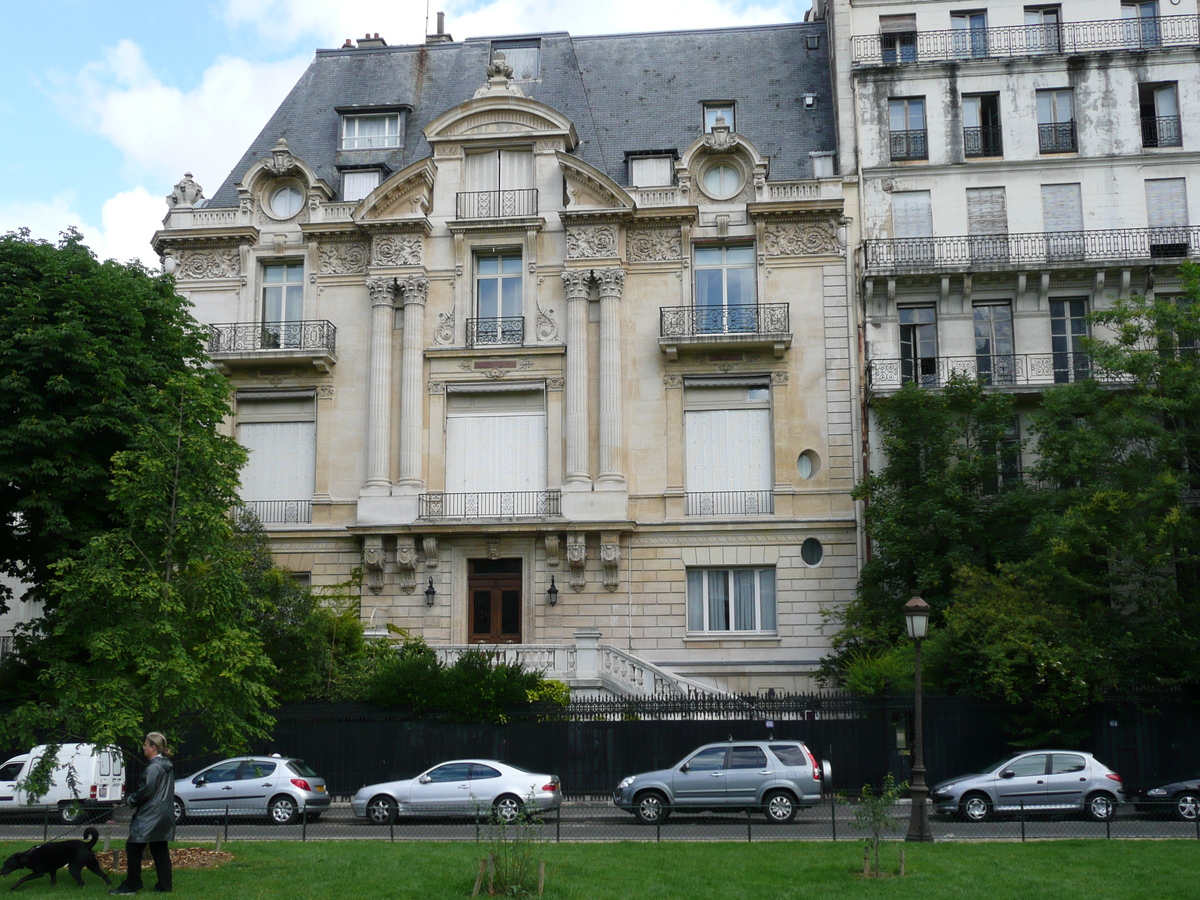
[(1061, 870)]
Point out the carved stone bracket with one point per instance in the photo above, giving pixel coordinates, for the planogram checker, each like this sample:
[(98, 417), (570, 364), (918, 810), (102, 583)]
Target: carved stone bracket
[(577, 560), (610, 559), (373, 562), (406, 562), (429, 544), (552, 558)]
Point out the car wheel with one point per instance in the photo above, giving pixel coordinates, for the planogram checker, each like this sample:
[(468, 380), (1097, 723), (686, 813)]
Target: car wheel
[(1101, 807), (381, 810), (282, 811), (177, 810), (507, 808), (976, 808), (1187, 807), (780, 807), (73, 814), (651, 808)]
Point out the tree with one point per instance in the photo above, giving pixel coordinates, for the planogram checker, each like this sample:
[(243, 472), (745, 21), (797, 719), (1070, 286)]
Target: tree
[(84, 348)]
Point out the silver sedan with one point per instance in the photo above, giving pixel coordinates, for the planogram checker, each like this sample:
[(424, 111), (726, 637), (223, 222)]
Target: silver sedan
[(460, 787)]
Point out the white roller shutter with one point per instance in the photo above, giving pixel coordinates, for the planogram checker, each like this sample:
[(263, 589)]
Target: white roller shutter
[(1166, 202), (729, 450), (987, 212), (282, 460), (1062, 207), (482, 171), (516, 170), (912, 214)]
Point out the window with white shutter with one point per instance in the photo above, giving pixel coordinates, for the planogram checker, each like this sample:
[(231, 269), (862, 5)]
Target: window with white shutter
[(1167, 217), (651, 171), (987, 224), (912, 226), (498, 183), (729, 459), (1062, 219), (495, 441), (279, 433), (357, 183)]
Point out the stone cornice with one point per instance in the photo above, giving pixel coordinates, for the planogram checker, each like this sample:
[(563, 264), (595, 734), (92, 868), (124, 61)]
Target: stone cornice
[(666, 215), (203, 237), (803, 210)]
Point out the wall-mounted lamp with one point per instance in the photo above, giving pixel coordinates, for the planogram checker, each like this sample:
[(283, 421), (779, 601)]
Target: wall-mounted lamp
[(430, 593), (552, 592)]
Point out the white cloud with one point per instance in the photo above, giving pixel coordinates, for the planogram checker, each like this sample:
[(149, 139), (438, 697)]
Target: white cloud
[(126, 223)]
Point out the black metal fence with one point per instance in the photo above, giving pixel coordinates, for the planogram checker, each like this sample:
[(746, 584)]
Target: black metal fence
[(489, 504), (232, 337), (690, 321)]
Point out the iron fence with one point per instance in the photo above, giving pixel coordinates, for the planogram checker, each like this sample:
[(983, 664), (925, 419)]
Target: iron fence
[(280, 512), (979, 140), (908, 145), (235, 337), (1056, 137), (692, 321), (1161, 131), (506, 330), (497, 204), (730, 503), (1154, 33), (991, 370), (489, 504)]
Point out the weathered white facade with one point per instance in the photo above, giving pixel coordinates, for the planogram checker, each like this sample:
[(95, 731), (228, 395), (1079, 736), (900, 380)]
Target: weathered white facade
[(548, 381)]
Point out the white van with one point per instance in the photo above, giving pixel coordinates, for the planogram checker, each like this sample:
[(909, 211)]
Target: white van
[(97, 774)]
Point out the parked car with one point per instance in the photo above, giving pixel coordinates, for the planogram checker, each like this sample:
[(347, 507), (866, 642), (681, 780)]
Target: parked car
[(460, 787), (86, 781), (780, 777), (1038, 781), (1179, 798), (278, 787)]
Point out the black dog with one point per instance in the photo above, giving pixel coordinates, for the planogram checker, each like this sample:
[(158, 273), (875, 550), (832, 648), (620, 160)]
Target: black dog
[(49, 858)]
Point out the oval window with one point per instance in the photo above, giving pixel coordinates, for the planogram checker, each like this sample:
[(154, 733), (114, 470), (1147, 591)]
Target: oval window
[(812, 552), (286, 202), (807, 464), (722, 180)]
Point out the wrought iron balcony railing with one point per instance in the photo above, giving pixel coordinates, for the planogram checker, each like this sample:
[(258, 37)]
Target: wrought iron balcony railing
[(497, 204), (904, 145), (982, 141), (693, 321), (238, 337), (1161, 131), (1158, 33), (509, 330), (962, 251), (489, 504), (992, 370), (1057, 137), (730, 503), (280, 512)]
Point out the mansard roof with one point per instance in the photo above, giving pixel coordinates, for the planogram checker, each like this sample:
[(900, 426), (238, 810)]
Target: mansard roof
[(624, 93)]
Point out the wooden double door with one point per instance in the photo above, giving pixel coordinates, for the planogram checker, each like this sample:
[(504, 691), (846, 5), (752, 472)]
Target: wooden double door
[(494, 589)]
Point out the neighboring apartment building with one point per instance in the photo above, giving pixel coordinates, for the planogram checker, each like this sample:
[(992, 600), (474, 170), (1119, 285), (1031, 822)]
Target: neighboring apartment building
[(1019, 165), (550, 337)]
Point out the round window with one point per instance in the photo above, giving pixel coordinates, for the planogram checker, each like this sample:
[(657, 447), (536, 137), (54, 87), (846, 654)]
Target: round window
[(286, 202), (807, 464), (722, 180), (812, 552)]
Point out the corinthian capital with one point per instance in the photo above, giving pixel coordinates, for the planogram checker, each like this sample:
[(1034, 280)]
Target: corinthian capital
[(611, 281), (415, 288), (576, 282), (382, 291)]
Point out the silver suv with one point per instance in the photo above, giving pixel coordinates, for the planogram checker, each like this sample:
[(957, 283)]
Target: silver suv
[(779, 777)]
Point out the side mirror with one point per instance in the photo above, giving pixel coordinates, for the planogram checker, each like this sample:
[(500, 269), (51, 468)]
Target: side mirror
[(199, 781), (1007, 773), (424, 779), (684, 768)]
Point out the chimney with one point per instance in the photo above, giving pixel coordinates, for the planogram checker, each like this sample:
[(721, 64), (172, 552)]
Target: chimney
[(441, 37), (367, 42)]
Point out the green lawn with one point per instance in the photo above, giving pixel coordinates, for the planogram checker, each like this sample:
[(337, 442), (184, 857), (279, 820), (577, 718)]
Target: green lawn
[(1052, 870)]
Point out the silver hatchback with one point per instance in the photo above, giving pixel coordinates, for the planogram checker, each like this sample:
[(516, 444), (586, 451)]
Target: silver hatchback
[(280, 788), (778, 777), (1038, 781)]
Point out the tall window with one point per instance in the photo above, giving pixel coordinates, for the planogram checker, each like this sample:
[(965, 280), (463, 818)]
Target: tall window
[(912, 226), (370, 132), (279, 432), (714, 109), (906, 128), (1062, 220), (1159, 108), (1141, 24), (282, 304), (499, 183), (987, 224), (981, 125), (498, 300), (729, 463), (1042, 29), (1167, 217), (1007, 452), (918, 345), (969, 35), (1068, 328), (725, 292), (496, 441), (898, 38), (995, 362), (357, 183), (1056, 121), (731, 600)]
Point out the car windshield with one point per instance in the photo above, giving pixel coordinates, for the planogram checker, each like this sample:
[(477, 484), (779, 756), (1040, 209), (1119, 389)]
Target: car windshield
[(300, 767), (988, 770)]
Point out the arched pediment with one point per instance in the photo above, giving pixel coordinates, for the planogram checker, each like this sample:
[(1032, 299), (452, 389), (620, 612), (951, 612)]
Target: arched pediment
[(283, 164), (588, 186), (407, 193), (503, 115), (722, 142)]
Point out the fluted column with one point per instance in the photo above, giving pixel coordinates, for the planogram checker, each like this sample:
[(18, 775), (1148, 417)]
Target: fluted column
[(379, 382), (611, 282), (576, 282), (415, 290)]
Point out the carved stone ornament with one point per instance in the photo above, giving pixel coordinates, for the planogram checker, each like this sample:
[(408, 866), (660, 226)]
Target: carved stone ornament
[(610, 559), (797, 239), (448, 151), (382, 291), (499, 79), (325, 392), (437, 387), (185, 193), (406, 563), (493, 547), (281, 162), (343, 258), (547, 330), (429, 545), (413, 288), (720, 139), (673, 382), (779, 378), (554, 384), (552, 551), (210, 263), (577, 283), (396, 250), (591, 241), (373, 562), (654, 244), (444, 333), (610, 281), (577, 560)]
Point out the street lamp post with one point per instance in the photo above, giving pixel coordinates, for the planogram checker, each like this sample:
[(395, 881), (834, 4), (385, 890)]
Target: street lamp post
[(916, 617)]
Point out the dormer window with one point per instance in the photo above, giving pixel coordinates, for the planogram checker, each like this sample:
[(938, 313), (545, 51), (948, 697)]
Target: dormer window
[(357, 183), (522, 55), (651, 169), (713, 109), (371, 131)]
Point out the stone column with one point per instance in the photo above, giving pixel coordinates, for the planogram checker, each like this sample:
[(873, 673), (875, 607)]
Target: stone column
[(379, 385), (577, 282), (611, 282), (415, 290)]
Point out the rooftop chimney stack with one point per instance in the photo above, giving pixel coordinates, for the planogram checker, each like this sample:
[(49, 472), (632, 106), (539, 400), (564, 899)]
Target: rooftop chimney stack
[(367, 42), (441, 37)]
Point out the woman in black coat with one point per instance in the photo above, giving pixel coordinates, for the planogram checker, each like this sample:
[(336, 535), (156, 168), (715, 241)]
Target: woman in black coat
[(153, 819)]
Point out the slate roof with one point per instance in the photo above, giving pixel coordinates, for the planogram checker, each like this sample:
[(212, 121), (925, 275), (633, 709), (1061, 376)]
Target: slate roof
[(625, 92)]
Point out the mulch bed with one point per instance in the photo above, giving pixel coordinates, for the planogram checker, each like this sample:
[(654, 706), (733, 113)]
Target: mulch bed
[(181, 858)]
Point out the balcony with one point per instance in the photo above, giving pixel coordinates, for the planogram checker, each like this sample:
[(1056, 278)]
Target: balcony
[(711, 327), (1001, 371), (974, 252), (1057, 137), (485, 332), (730, 503), (236, 344), (1071, 38), (908, 145), (497, 204), (1161, 131), (280, 512), (490, 505), (981, 141)]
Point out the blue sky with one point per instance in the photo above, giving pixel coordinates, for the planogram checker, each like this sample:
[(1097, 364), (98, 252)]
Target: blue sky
[(104, 104)]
